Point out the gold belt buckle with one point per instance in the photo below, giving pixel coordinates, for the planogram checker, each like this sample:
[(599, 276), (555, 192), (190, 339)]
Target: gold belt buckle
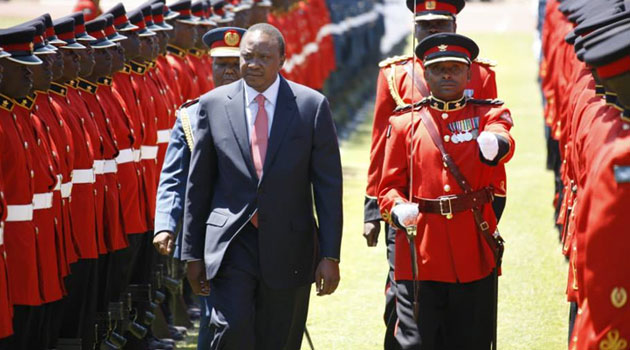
[(446, 207)]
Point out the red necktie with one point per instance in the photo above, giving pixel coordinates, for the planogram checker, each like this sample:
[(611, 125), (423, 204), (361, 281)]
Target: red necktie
[(259, 141)]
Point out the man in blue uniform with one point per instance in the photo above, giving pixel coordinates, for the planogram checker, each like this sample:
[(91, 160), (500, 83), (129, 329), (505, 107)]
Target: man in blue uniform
[(172, 186)]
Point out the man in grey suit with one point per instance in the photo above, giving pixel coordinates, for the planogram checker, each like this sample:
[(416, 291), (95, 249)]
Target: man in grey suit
[(265, 154)]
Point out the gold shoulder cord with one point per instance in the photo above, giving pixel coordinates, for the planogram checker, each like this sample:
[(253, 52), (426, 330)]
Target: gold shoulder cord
[(391, 82), (188, 133)]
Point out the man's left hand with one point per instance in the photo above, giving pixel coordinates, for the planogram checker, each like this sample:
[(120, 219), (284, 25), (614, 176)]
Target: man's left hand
[(327, 277)]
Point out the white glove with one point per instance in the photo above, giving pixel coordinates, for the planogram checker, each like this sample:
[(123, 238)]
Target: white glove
[(405, 214), (488, 144)]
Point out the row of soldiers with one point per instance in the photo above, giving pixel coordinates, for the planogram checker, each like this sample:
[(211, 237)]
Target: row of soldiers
[(585, 77), (86, 109)]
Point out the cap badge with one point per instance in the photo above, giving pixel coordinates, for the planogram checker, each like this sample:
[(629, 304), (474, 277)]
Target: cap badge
[(431, 5), (442, 47), (231, 38)]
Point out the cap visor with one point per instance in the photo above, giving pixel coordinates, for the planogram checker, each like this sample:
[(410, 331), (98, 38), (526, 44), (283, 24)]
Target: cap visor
[(242, 7), (85, 37), (171, 15), (225, 52), (433, 17), (446, 59), (154, 28), (4, 54), (117, 37), (56, 41), (145, 32), (165, 26), (126, 27), (73, 46), (44, 51), (29, 60), (192, 21), (103, 44)]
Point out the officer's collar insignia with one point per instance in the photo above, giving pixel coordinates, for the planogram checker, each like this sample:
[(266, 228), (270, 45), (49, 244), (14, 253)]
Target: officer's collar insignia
[(126, 69), (196, 53), (625, 115), (138, 68), (6, 103), (104, 81), (58, 89), (444, 106), (177, 51), (87, 86), (599, 90), (73, 83), (26, 102)]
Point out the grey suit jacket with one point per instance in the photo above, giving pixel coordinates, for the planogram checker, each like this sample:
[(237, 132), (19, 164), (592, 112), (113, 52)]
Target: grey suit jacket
[(302, 170)]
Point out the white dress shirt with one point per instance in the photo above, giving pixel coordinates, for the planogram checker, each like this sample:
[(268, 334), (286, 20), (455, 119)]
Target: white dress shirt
[(251, 110)]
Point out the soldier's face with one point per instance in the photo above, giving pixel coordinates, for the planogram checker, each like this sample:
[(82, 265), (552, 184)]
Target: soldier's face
[(70, 64), (131, 45), (261, 60), (619, 85), (16, 72), (163, 37), (146, 48), (426, 28), (86, 61), (42, 73), (242, 19), (202, 30), (57, 64), (103, 66), (185, 35), (225, 70), (447, 80), (118, 57)]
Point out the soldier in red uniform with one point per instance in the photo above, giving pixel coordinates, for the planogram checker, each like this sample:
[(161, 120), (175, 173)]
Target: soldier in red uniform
[(603, 321), (182, 40), (451, 206), (400, 82), (89, 8), (18, 169), (6, 309), (197, 57)]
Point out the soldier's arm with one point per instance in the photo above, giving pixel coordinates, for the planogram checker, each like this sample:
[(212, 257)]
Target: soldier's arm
[(499, 122), (394, 185)]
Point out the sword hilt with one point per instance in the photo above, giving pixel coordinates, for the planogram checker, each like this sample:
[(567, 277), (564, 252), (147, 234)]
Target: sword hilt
[(412, 230)]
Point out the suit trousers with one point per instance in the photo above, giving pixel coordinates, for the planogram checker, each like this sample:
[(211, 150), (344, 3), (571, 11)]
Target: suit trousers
[(453, 316), (247, 314)]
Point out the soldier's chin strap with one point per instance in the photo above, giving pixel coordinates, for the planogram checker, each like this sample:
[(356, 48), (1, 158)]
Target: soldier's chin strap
[(412, 230)]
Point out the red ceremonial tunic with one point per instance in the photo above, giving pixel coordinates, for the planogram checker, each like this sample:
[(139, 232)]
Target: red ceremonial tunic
[(20, 244), (202, 72), (184, 75), (395, 87), (82, 199), (604, 321), (6, 308), (449, 250), (127, 96)]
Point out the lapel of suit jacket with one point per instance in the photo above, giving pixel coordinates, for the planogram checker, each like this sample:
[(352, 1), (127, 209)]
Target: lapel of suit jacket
[(282, 118), (235, 109)]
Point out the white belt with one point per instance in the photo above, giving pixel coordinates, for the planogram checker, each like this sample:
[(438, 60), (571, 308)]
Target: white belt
[(137, 155), (1, 234), (125, 156), (99, 166), (149, 152), (163, 136), (19, 212), (110, 167), (66, 189), (83, 176), (58, 184), (42, 200)]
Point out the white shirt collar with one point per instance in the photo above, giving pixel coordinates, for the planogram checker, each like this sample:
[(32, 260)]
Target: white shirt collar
[(271, 94)]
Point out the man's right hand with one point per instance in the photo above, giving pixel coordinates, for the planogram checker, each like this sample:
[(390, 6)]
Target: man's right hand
[(196, 272), (371, 229), (405, 215), (163, 242)]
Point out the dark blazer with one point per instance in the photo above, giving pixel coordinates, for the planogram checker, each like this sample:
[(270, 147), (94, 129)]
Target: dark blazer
[(302, 167)]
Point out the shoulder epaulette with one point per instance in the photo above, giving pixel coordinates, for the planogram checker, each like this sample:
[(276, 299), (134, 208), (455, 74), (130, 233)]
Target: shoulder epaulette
[(489, 102), (188, 103), (391, 60), (486, 62), (406, 108)]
